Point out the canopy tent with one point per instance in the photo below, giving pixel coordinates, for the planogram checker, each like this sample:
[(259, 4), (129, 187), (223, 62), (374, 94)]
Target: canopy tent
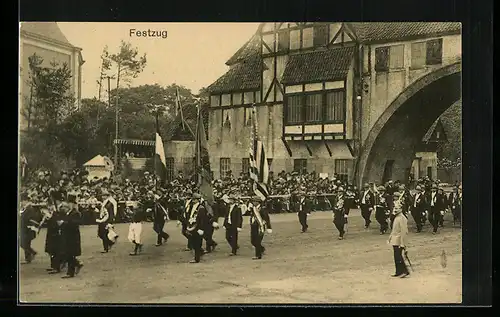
[(99, 166)]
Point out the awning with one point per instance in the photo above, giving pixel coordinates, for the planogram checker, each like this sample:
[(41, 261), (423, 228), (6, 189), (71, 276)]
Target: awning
[(318, 66), (134, 142)]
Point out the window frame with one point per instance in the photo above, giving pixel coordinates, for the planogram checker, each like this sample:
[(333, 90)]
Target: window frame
[(424, 64), (438, 60), (323, 120), (378, 67), (303, 165), (326, 34), (391, 48), (342, 176), (170, 168), (285, 49), (223, 162)]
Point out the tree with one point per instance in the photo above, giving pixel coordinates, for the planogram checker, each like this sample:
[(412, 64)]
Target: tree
[(126, 62)]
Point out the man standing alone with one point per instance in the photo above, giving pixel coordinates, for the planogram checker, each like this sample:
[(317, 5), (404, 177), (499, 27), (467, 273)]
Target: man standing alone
[(398, 238)]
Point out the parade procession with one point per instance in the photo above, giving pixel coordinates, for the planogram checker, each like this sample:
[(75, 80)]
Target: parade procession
[(292, 156)]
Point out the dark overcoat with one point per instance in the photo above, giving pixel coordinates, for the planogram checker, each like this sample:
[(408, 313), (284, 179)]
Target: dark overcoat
[(71, 241), (53, 240)]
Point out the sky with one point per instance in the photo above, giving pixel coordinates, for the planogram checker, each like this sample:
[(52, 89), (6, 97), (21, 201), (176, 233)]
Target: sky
[(192, 55)]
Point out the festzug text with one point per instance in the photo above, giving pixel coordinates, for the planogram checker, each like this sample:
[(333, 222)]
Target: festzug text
[(148, 33)]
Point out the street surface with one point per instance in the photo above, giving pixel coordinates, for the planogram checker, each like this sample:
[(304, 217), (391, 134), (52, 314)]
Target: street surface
[(312, 267)]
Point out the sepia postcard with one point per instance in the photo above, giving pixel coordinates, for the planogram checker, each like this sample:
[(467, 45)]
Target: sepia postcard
[(240, 163)]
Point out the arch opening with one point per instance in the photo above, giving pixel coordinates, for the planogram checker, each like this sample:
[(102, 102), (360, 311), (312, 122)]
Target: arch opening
[(391, 145)]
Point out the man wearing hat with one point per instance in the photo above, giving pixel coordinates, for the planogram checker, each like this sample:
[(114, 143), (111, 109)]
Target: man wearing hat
[(381, 209), (233, 221), (303, 208), (160, 215), (106, 215), (455, 204), (435, 204), (339, 212), (196, 223), (184, 217), (418, 206), (260, 223), (30, 222), (397, 239), (70, 231), (367, 202), (53, 239)]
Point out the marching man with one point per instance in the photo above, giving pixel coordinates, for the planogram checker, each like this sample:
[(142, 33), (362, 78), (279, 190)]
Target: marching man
[(382, 209), (260, 222), (108, 210), (70, 229), (196, 223), (418, 208), (397, 238), (339, 213), (233, 222), (160, 215), (135, 230), (366, 203)]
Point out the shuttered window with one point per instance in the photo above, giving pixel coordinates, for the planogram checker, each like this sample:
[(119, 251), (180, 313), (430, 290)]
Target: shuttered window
[(335, 106), (342, 169), (169, 164), (294, 110), (313, 107), (225, 167)]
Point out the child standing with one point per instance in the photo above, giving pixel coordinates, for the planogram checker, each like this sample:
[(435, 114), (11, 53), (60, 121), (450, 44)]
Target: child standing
[(135, 229)]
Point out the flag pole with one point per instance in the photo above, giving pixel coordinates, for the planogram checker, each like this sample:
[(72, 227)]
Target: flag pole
[(155, 162)]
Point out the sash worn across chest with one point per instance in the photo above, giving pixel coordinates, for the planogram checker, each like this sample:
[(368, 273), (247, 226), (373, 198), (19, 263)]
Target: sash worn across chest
[(229, 214), (193, 213)]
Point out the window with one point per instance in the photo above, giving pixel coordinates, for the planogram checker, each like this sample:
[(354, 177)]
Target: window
[(396, 56), (307, 38), (283, 41), (294, 110), (313, 107), (335, 106), (382, 59), (300, 166), (321, 35), (214, 100), (342, 170), (248, 97), (225, 167), (295, 39), (245, 165), (237, 98), (247, 119), (169, 164), (226, 100), (434, 54), (418, 55)]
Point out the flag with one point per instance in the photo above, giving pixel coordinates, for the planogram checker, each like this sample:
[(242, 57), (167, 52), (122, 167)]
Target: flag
[(203, 161), (178, 106), (259, 168), (159, 159)]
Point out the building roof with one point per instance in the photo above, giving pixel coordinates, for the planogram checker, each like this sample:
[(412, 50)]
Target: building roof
[(249, 49), (134, 142), (244, 75), (97, 160), (331, 64), (388, 31), (47, 30), (436, 126), (174, 131)]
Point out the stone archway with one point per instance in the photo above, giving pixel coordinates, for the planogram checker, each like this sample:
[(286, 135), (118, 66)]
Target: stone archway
[(404, 123)]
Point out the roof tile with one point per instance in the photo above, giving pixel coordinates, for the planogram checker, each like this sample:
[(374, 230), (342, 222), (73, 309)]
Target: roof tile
[(318, 66), (244, 75)]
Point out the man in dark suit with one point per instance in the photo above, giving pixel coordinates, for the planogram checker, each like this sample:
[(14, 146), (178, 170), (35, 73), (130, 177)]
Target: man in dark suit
[(303, 208), (160, 215), (455, 204), (260, 222), (211, 224), (435, 204), (382, 210), (418, 208), (233, 222), (367, 202), (339, 212), (196, 222), (70, 229)]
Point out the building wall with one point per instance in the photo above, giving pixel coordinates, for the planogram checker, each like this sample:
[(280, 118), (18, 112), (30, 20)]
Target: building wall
[(179, 151), (383, 87), (422, 161), (49, 53)]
